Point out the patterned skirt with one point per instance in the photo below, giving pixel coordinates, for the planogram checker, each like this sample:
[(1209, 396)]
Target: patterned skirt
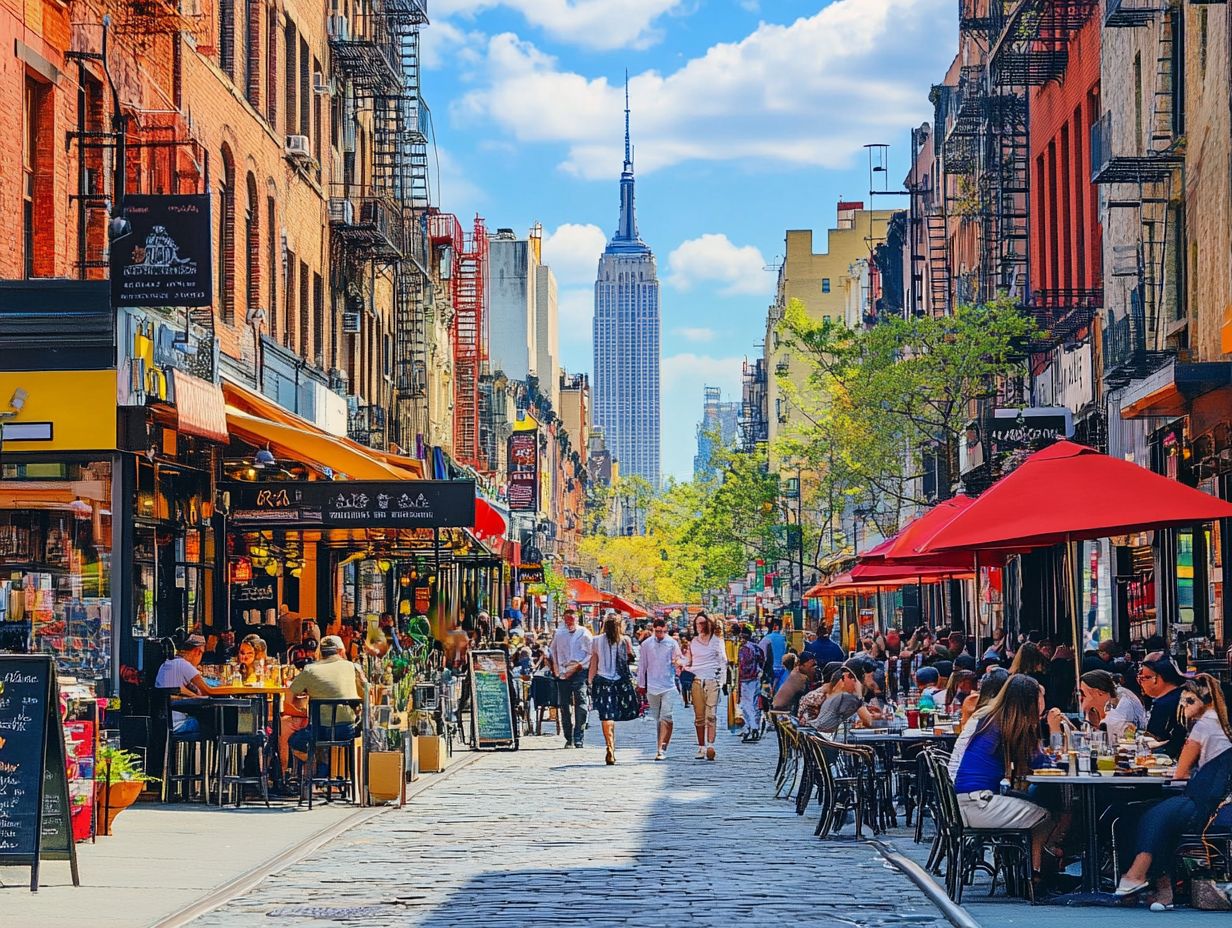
[(614, 700)]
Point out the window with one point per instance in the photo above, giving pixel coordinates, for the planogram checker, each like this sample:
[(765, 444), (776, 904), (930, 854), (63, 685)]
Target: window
[(825, 285), (305, 311), (252, 52), (271, 259), (38, 167), (316, 119), (252, 247), (1138, 102), (318, 321), (288, 290), (305, 93), (226, 37), (290, 77), (226, 238), (271, 70)]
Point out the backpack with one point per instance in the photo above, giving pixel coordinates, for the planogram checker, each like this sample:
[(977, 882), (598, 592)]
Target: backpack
[(750, 659)]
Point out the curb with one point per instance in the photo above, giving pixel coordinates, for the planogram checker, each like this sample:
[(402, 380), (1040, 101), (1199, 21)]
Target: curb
[(955, 914), (249, 879)]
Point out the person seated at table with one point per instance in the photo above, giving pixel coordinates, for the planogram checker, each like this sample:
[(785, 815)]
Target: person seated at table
[(332, 677), (927, 678), (843, 703), (1109, 707), (798, 682), (1029, 659), (1206, 766), (1161, 681), (1005, 745), (990, 685), (181, 673), (960, 686), (220, 648), (248, 655)]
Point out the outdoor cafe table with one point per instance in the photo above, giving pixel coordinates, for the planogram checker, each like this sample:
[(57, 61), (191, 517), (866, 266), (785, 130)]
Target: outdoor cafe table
[(1087, 786), (275, 694)]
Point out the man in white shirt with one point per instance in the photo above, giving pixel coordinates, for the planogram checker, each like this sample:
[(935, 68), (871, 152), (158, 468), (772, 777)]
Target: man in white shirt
[(569, 656), (181, 673), (656, 679)]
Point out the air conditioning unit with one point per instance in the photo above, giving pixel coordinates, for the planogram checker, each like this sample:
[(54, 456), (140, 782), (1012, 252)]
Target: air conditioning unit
[(352, 321), (298, 147), (339, 28), (342, 211), (320, 84)]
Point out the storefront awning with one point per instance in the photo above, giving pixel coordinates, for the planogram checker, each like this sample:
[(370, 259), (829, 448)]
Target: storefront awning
[(311, 446), (1171, 390), (199, 407)]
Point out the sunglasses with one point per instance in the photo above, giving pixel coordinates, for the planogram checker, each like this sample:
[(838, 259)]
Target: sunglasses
[(1190, 701)]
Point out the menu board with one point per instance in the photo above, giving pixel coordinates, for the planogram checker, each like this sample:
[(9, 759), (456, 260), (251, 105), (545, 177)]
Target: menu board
[(493, 709), (34, 804)]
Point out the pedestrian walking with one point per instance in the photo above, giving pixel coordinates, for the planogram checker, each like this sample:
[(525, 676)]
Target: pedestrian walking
[(611, 685), (749, 661), (774, 646), (570, 654), (707, 661), (656, 679)]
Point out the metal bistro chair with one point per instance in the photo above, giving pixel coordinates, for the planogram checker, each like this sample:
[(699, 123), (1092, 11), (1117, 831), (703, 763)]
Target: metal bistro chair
[(965, 848), (850, 779), (324, 718), (184, 760), (243, 732), (790, 746), (543, 695)]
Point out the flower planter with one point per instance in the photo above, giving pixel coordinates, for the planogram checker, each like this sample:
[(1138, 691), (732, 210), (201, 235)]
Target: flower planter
[(113, 799)]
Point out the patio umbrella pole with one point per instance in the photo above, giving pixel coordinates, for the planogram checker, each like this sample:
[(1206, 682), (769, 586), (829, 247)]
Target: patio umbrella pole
[(976, 605), (1071, 567)]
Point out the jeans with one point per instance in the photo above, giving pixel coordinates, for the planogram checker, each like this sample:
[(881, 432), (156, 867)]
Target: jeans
[(186, 726), (1160, 829), (571, 700), (749, 690), (345, 731)]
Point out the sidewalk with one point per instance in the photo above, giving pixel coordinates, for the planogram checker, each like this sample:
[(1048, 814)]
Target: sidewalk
[(163, 859)]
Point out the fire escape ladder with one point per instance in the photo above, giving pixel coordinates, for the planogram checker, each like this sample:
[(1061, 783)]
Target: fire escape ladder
[(938, 263), (469, 343)]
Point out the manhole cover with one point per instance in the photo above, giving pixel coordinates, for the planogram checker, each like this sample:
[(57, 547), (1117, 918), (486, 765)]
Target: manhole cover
[(339, 913)]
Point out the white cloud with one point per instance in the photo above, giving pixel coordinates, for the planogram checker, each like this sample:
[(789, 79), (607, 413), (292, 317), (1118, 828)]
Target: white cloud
[(572, 251), (714, 259), (810, 93), (598, 24), (699, 334), (446, 45)]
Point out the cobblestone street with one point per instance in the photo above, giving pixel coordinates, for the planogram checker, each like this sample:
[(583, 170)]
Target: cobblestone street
[(548, 836)]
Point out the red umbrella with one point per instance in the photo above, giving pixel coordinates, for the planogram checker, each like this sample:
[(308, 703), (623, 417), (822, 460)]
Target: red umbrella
[(1068, 492), (582, 593), (488, 522), (901, 548), (620, 604), (848, 582)]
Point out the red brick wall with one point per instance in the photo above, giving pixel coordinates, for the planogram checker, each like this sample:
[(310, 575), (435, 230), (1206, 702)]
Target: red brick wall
[(1065, 230)]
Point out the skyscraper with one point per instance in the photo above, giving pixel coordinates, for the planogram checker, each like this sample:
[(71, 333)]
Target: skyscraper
[(626, 339), (720, 427)]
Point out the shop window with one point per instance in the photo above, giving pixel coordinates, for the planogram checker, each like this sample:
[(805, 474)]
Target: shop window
[(55, 560)]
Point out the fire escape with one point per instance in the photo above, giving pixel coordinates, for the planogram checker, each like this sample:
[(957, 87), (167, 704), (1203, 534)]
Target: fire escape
[(1143, 182), (154, 149), (958, 116), (467, 257), (376, 221)]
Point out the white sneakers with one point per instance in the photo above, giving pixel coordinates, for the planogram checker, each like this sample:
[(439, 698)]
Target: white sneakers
[(701, 752), (659, 755)]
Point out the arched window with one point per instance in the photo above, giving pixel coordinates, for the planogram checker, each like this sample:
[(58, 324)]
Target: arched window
[(226, 238), (252, 245)]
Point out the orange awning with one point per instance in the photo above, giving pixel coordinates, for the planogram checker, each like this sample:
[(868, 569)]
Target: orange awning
[(199, 407), (582, 593), (310, 445)]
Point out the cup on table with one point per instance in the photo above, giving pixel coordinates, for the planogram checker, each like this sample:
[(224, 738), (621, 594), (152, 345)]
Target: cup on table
[(913, 718)]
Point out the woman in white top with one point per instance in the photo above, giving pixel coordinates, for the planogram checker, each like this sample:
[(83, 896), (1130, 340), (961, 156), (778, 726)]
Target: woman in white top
[(1112, 707), (707, 661), (1209, 730), (611, 688)]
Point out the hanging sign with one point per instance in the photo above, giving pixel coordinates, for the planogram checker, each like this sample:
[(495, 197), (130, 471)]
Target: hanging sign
[(523, 494), (493, 709), (530, 573), (34, 804), (354, 503), (165, 259)]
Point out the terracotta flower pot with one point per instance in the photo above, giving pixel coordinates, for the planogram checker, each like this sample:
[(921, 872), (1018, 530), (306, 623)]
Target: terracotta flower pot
[(114, 799)]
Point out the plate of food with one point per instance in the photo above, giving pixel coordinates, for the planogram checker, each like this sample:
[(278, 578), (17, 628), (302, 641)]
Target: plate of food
[(1048, 772)]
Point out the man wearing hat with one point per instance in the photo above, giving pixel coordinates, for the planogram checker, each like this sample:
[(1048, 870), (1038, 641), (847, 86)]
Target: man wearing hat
[(181, 673), (798, 682), (332, 677)]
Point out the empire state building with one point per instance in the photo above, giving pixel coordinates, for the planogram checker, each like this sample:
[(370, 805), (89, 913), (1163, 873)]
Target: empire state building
[(626, 339)]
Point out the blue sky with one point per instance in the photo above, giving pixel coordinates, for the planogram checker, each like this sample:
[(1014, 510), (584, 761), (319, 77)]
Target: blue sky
[(749, 118)]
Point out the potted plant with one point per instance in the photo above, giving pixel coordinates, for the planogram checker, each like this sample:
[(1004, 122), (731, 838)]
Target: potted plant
[(119, 780)]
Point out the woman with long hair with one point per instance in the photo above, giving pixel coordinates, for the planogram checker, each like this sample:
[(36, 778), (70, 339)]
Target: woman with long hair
[(1029, 659), (960, 685), (1206, 765), (991, 684), (707, 661), (1005, 745), (610, 683)]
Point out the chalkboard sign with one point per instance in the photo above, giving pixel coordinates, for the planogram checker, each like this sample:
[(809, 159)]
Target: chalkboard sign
[(492, 719), (34, 805)]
